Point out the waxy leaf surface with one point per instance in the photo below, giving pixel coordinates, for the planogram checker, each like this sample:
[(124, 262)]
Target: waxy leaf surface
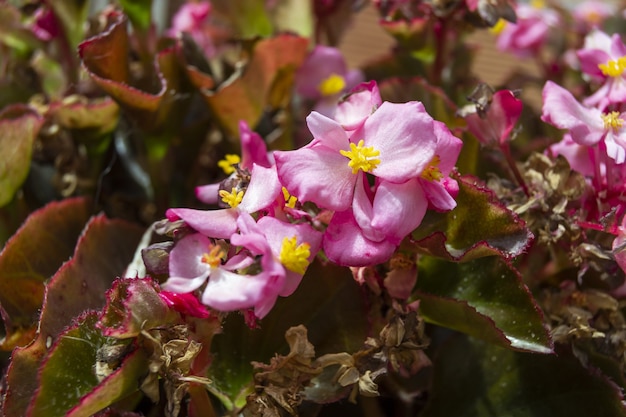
[(32, 255), (69, 384), (474, 378), (102, 253), (485, 298), (328, 302), (478, 226), (19, 127)]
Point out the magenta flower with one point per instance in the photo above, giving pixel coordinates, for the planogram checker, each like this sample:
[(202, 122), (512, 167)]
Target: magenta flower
[(396, 143), (592, 13), (604, 59), (494, 125), (530, 33), (45, 26), (587, 126), (185, 303), (196, 260)]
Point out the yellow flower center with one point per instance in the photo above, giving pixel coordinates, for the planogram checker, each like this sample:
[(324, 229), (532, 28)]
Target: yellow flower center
[(228, 163), (290, 200), (214, 257), (361, 158), (498, 27), (233, 198), (293, 256), (614, 67), (332, 85), (538, 4), (432, 172), (612, 120)]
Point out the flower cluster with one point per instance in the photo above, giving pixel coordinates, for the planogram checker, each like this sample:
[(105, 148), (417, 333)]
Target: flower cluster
[(361, 185)]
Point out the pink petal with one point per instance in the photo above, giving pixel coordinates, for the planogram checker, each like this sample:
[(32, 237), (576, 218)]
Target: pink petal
[(262, 191), (404, 134), (218, 224), (327, 131), (318, 174), (438, 195), (355, 108), (322, 62), (228, 291), (186, 257), (208, 194), (345, 245), (253, 148)]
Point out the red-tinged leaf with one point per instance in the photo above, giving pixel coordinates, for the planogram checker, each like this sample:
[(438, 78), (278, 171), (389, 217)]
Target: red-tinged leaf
[(133, 305), (102, 253), (75, 380), (31, 257), (485, 298), (474, 378), (479, 226), (106, 58), (328, 302), (19, 126), (246, 97)]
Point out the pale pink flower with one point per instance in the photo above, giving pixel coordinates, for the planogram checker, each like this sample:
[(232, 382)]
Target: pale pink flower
[(587, 126), (196, 261), (353, 109), (396, 143), (192, 18), (592, 13), (604, 59), (525, 37)]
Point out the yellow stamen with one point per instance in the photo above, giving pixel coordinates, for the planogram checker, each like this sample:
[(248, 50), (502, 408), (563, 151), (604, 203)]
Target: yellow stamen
[(213, 257), (227, 164), (290, 200), (538, 4), (332, 85), (361, 158), (498, 27), (612, 120), (614, 67), (432, 172), (293, 256), (233, 198)]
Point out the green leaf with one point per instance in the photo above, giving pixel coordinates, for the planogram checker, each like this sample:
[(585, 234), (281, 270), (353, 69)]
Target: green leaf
[(68, 380), (139, 12), (31, 257), (485, 298), (19, 126), (328, 302), (478, 226), (294, 17), (249, 17), (102, 253), (473, 378), (246, 96)]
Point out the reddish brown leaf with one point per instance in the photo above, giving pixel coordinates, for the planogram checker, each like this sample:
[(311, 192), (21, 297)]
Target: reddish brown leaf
[(102, 253), (32, 256)]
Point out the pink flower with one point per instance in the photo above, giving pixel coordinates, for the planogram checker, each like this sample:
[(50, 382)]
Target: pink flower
[(592, 13), (396, 143), (604, 59), (286, 247), (396, 209), (493, 123), (253, 151), (192, 18), (196, 260), (324, 76), (45, 27), (358, 105), (530, 33), (260, 194), (587, 126)]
